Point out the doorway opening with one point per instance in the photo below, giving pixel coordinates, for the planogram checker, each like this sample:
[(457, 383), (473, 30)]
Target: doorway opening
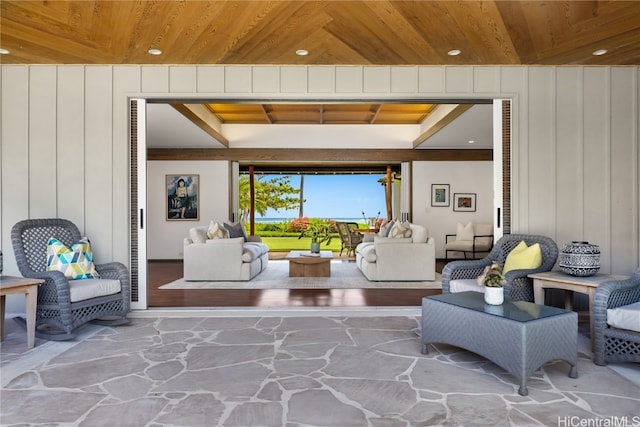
[(138, 217)]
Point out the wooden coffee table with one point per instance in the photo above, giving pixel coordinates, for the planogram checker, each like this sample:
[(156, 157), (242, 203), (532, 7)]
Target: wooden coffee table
[(19, 285), (304, 264), (570, 284)]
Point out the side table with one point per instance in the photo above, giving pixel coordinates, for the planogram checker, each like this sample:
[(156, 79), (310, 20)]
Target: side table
[(20, 285), (559, 280)]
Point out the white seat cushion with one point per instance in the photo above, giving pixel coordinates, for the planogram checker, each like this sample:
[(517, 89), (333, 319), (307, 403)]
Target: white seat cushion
[(483, 230), (460, 245), (625, 317), (83, 289), (463, 285)]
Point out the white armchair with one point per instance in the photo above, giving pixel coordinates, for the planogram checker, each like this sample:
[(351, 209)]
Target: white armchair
[(472, 239)]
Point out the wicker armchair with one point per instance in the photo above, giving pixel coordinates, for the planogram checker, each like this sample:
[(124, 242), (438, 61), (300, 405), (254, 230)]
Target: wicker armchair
[(519, 286), (613, 344), (56, 316), (350, 239)]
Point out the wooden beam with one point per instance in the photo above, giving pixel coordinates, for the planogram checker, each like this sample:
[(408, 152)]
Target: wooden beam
[(387, 192), (252, 209), (301, 155), (201, 117), (448, 118)]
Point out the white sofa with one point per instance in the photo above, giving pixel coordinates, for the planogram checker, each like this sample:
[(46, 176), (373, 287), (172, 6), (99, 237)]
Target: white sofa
[(230, 259), (398, 259)]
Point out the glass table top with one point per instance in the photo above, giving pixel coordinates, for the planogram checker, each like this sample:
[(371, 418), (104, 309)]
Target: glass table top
[(521, 311)]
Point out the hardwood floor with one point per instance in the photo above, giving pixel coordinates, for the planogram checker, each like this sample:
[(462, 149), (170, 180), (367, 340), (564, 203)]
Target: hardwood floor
[(162, 272)]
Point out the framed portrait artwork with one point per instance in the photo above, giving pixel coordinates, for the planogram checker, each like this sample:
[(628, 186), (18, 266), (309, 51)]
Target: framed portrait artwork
[(182, 197), (464, 202), (439, 194)]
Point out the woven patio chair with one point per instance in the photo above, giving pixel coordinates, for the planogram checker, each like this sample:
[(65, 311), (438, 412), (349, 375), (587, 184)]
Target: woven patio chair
[(57, 317), (614, 344), (518, 287), (350, 239)]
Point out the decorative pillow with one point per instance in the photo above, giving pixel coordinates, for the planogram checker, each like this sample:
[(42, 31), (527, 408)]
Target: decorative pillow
[(419, 233), (217, 231), (385, 228), (400, 230), (464, 232), (523, 257), (74, 263), (236, 230), (198, 234)]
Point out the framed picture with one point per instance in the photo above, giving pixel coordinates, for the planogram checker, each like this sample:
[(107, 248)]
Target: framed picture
[(439, 194), (464, 202), (182, 197)]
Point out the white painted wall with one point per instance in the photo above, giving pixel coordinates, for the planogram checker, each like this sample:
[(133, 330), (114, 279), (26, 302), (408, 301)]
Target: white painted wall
[(64, 140), (325, 136), (165, 238), (462, 177)]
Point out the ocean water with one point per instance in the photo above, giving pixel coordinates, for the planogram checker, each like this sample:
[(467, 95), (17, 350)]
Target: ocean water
[(280, 220)]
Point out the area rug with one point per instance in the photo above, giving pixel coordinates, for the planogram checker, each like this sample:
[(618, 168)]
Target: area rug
[(344, 275)]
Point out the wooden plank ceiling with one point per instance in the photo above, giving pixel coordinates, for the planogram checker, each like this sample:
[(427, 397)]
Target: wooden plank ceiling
[(377, 32), (336, 113)]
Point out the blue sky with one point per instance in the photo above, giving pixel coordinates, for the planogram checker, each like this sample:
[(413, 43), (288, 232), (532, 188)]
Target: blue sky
[(338, 196)]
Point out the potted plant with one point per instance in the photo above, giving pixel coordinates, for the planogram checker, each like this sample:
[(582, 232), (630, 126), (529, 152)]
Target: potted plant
[(493, 281), (319, 231)]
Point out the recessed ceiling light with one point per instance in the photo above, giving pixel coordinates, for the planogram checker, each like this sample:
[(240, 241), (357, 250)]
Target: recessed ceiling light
[(599, 52), (4, 52), (154, 52), (454, 52), (302, 52), (471, 141)]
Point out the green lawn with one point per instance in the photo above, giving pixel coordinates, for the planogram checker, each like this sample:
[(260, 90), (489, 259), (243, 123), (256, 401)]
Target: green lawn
[(286, 244)]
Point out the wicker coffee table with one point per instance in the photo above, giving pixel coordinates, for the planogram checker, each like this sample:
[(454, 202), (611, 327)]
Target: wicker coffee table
[(518, 336)]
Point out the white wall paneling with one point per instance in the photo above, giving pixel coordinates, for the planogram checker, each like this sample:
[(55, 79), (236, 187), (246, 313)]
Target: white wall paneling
[(70, 143), (42, 148), (570, 125), (182, 79), (14, 130), (569, 197), (623, 167)]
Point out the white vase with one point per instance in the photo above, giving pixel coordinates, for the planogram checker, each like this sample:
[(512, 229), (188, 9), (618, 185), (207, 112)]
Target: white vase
[(315, 247), (493, 296)]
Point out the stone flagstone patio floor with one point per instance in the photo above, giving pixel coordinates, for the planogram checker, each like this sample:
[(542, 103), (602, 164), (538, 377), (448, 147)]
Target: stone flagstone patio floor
[(288, 371)]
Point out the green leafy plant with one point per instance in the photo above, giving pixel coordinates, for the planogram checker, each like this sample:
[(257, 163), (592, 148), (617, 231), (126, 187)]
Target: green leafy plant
[(494, 277), (319, 230)]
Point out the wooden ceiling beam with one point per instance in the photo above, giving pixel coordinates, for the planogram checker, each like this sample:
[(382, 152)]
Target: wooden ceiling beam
[(277, 155), (440, 124), (202, 117)]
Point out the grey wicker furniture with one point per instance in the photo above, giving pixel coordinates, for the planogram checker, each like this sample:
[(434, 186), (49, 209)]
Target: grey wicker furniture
[(57, 318), (612, 344), (518, 336), (518, 286)]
